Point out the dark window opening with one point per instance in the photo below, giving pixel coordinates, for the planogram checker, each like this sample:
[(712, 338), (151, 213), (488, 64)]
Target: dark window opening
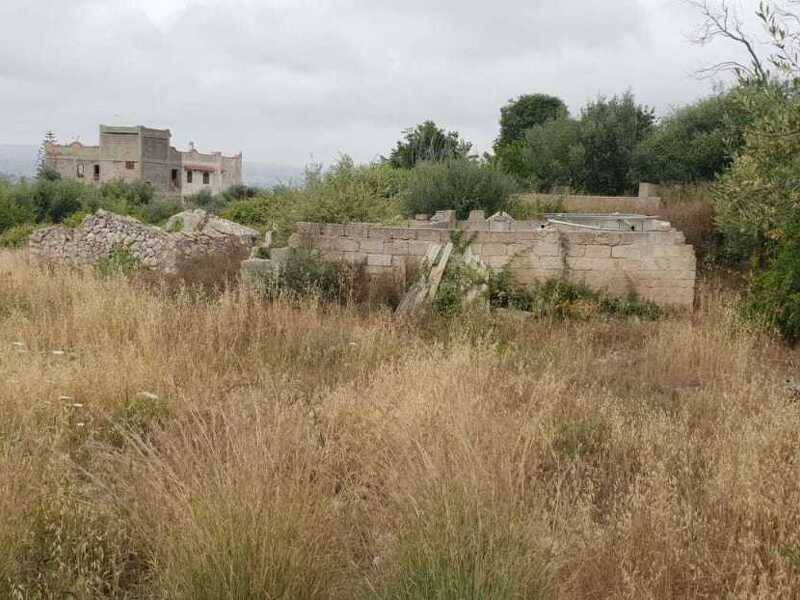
[(206, 178), (174, 176), (130, 165), (96, 172), (80, 169), (188, 177)]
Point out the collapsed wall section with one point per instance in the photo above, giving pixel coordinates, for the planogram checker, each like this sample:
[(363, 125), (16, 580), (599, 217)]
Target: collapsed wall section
[(210, 249), (654, 263)]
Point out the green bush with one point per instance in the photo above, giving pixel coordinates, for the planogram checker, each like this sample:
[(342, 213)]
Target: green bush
[(347, 193), (120, 261), (760, 194), (695, 143), (12, 213), (774, 298), (559, 299), (16, 236), (462, 185)]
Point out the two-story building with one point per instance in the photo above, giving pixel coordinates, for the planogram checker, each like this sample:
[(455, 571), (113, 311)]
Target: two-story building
[(144, 154)]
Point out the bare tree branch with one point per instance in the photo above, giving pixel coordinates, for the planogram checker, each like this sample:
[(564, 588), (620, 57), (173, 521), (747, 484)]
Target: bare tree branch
[(721, 21)]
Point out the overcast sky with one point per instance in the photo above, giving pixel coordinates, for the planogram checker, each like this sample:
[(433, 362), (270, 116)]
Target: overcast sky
[(288, 80)]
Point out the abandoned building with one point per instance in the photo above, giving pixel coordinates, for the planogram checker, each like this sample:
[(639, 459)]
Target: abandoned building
[(144, 154)]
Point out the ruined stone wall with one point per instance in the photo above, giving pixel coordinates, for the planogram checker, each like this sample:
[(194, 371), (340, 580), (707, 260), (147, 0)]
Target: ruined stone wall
[(592, 204), (654, 263), (181, 253)]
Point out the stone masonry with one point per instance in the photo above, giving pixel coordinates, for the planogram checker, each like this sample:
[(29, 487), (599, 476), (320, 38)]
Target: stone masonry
[(193, 244), (616, 254)]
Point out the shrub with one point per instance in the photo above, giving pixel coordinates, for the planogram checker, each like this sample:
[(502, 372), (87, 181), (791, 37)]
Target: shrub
[(120, 261), (54, 201), (16, 236), (559, 299), (462, 185), (760, 194), (774, 298)]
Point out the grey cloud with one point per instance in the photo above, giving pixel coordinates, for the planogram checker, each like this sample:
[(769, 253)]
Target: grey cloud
[(286, 79)]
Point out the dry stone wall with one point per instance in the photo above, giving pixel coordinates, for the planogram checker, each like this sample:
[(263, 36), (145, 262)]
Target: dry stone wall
[(653, 261), (205, 246)]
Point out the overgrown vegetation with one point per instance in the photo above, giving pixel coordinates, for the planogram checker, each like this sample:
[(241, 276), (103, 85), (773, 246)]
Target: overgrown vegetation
[(162, 444)]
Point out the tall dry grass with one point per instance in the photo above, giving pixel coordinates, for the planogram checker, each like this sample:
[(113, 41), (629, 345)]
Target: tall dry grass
[(162, 444)]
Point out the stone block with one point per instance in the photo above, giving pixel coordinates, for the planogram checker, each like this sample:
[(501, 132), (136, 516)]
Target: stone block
[(546, 262), (417, 248), (590, 264), (371, 245), (379, 260), (494, 249), (397, 247), (631, 251), (598, 251), (354, 257), (346, 245), (432, 235)]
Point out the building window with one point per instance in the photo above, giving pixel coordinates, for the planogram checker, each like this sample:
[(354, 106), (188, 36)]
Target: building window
[(97, 172), (174, 176), (80, 170), (206, 178), (188, 177), (130, 165)]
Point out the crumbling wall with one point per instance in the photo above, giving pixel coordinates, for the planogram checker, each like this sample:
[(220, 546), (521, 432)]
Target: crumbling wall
[(205, 247), (655, 262)]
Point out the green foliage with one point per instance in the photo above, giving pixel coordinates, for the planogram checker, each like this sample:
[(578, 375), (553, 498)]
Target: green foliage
[(610, 131), (75, 219), (559, 299), (347, 193), (120, 261), (525, 112), (427, 143), (774, 298), (12, 212), (592, 154), (462, 185), (552, 156), (16, 236), (55, 200), (760, 194), (696, 143)]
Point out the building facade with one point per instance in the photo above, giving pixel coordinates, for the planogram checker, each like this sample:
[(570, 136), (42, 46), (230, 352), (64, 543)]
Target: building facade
[(144, 154)]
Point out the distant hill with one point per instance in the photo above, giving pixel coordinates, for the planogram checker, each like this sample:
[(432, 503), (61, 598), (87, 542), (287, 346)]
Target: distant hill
[(20, 161)]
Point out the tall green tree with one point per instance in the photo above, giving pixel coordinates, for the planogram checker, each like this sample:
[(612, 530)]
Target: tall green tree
[(427, 142), (42, 169), (527, 111), (611, 130)]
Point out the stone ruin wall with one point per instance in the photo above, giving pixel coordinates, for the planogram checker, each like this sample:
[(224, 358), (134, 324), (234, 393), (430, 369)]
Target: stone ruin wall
[(180, 254), (654, 263)]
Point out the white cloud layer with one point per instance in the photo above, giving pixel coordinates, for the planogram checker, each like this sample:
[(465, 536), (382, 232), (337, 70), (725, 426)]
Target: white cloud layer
[(284, 80)]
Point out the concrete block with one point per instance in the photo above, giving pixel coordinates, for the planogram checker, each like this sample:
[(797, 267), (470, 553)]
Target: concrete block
[(396, 247), (494, 249), (379, 260), (356, 230), (417, 248), (593, 251), (370, 245), (433, 235), (347, 245), (354, 257), (546, 262), (632, 251)]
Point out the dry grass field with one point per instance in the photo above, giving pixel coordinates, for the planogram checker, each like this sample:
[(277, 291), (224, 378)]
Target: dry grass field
[(176, 444)]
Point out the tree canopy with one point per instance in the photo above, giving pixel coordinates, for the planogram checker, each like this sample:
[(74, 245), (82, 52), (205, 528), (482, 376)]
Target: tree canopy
[(525, 112), (427, 142)]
